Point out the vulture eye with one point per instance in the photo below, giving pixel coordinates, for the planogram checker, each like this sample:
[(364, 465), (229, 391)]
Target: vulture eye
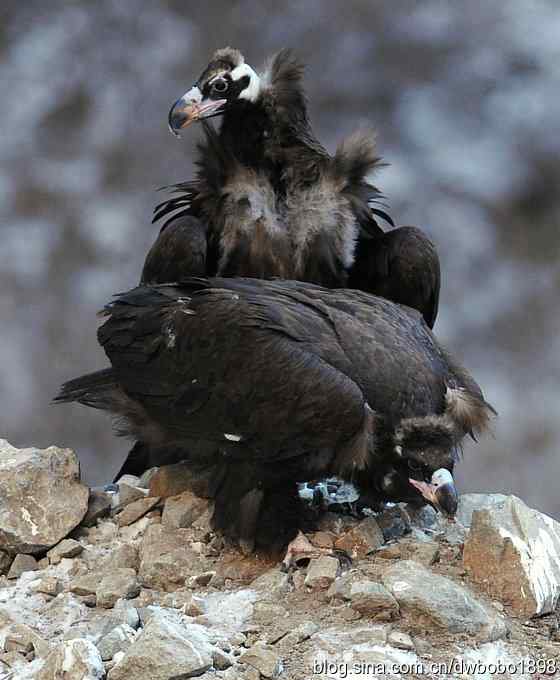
[(219, 85)]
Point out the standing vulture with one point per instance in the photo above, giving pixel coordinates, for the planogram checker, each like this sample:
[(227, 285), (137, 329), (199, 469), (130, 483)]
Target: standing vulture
[(263, 384), (269, 201)]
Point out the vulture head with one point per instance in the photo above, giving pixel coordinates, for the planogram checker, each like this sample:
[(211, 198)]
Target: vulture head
[(228, 81)]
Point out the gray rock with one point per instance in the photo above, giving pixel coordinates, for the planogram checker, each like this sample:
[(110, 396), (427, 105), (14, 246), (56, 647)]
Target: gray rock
[(400, 640), (125, 612), (128, 494), (265, 659), (364, 538), (84, 585), (118, 639), (32, 517), (23, 639), (135, 510), (124, 556), (469, 502), (272, 584), (129, 480), (321, 572), (21, 564), (300, 634), (220, 660), (455, 533), (73, 660), (514, 551), (394, 522), (68, 547), (373, 600), (438, 601), (48, 585), (99, 505), (181, 511), (166, 559), (121, 583), (340, 589), (165, 649)]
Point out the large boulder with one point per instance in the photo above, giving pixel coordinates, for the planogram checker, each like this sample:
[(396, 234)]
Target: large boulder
[(42, 497), (166, 648), (514, 552), (436, 601), (73, 660)]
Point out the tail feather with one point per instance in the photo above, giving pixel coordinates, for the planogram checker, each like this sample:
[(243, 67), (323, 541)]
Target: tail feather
[(92, 389)]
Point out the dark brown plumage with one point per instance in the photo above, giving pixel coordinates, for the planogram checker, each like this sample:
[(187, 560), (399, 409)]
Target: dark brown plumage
[(261, 384), (271, 202)]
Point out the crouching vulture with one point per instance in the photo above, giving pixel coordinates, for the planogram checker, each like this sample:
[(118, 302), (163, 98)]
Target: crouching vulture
[(269, 201), (263, 384)]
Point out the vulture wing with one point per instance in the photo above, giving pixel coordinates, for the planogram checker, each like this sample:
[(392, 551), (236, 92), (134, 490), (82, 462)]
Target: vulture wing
[(401, 265)]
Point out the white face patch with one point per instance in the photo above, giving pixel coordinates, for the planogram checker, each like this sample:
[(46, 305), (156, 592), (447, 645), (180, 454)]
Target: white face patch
[(251, 92), (442, 476)]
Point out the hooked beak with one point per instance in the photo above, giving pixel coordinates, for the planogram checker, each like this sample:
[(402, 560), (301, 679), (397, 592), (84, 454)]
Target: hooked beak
[(191, 107), (441, 492)]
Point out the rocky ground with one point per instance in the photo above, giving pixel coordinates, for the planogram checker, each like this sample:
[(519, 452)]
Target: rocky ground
[(131, 582)]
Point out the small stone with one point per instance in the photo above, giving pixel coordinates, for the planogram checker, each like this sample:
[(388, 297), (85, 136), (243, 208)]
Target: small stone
[(84, 585), (121, 583), (373, 600), (400, 640), (364, 538), (129, 480), (300, 634), (220, 660), (117, 640), (128, 494), (321, 572), (21, 564), (181, 511), (48, 585), (23, 639), (323, 539), (76, 659), (68, 547), (136, 510), (202, 580), (264, 659), (99, 505)]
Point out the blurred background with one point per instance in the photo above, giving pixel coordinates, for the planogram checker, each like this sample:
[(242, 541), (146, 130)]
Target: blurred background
[(465, 98)]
